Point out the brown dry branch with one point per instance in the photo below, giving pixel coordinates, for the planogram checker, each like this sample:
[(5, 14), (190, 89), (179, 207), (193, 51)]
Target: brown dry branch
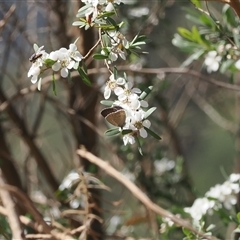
[(212, 113), (142, 197), (10, 207), (186, 71), (53, 234), (4, 21), (28, 139), (28, 205)]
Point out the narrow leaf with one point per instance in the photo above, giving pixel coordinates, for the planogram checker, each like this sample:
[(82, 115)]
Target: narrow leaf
[(39, 84), (152, 133), (84, 76), (112, 131), (35, 47), (106, 103), (149, 112), (99, 56), (54, 84), (115, 72), (146, 92), (126, 131), (139, 145)]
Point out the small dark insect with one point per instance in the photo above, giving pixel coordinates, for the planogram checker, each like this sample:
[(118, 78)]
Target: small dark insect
[(34, 57), (115, 115)]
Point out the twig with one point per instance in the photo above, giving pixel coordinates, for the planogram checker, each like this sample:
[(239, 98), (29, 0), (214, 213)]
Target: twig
[(90, 51), (9, 205), (24, 199), (138, 193), (27, 138), (194, 73), (4, 21), (212, 113), (182, 71), (39, 228)]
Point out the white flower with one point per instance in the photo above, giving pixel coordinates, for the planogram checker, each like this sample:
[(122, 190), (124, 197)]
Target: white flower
[(128, 138), (212, 61), (136, 122), (65, 59), (115, 52), (37, 60), (118, 44), (69, 180), (200, 207), (113, 85), (237, 64), (34, 71), (234, 177), (163, 165), (74, 53), (221, 195), (225, 193), (129, 96)]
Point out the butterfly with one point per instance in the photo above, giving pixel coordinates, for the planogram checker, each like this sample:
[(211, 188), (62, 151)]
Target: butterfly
[(115, 115)]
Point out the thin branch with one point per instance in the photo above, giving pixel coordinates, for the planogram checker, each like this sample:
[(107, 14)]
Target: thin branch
[(48, 79), (4, 21), (182, 71), (91, 50), (138, 192), (11, 210), (211, 112), (26, 201), (29, 141)]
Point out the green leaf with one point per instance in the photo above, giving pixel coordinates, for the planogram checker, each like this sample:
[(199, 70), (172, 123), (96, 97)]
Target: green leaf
[(145, 93), (70, 81), (112, 132), (229, 16), (126, 131), (39, 84), (84, 76), (185, 33), (208, 22), (106, 103), (54, 84), (35, 47), (149, 112), (184, 44), (226, 65), (238, 217), (82, 10), (139, 145), (196, 36), (194, 19), (106, 14), (112, 22), (152, 133), (115, 72), (49, 62), (78, 23), (236, 38), (196, 3), (186, 232), (99, 56), (193, 57)]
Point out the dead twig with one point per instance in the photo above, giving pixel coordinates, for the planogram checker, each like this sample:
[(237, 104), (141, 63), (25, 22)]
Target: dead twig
[(12, 216), (142, 197)]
